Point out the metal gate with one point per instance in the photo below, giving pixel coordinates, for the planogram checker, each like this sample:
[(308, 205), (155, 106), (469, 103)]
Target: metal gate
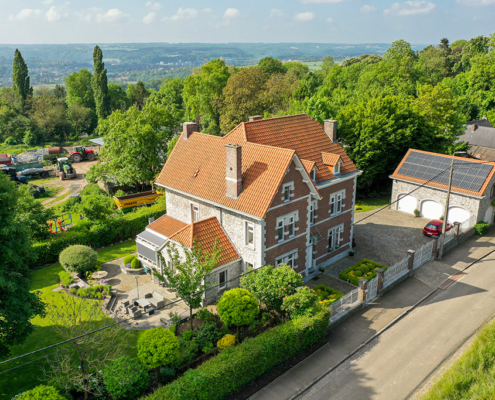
[(372, 290)]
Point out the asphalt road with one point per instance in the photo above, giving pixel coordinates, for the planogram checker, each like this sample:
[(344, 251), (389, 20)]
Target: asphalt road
[(402, 359)]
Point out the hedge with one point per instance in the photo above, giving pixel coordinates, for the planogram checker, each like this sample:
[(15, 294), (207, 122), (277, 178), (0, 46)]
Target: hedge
[(96, 234), (345, 274), (481, 228), (247, 361)]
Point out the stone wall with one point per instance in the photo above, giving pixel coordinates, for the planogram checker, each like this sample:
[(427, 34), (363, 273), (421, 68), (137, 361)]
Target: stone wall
[(233, 272)]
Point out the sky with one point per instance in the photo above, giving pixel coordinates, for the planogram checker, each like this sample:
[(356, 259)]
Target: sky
[(250, 21)]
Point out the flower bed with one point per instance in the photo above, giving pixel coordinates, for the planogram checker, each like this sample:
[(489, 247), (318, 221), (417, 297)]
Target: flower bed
[(92, 292), (327, 295), (363, 269)]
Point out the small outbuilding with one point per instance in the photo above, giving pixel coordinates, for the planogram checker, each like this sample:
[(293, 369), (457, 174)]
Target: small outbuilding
[(420, 183)]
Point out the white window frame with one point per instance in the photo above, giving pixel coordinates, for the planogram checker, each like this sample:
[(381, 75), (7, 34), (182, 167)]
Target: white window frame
[(286, 191), (313, 174), (336, 168), (312, 212), (288, 258), (220, 286), (285, 225), (249, 228), (335, 237), (337, 203), (194, 212)]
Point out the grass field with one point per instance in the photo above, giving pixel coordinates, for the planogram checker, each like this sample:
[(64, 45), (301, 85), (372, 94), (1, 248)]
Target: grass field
[(472, 376), (371, 204), (61, 197), (313, 66), (44, 280)]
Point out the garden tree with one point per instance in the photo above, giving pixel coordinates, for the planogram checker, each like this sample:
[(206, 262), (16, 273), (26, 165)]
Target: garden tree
[(203, 94), (243, 96), (41, 392), (303, 303), (79, 89), (270, 285), (191, 271), (307, 86), (272, 66), (326, 65), (17, 304), (138, 94), (49, 115), (20, 77), (481, 80), (171, 90), (279, 89), (474, 47), (435, 64), (118, 98), (95, 207), (297, 68), (77, 364), (238, 307), (125, 378), (136, 143), (78, 258), (158, 347), (12, 122), (79, 118), (99, 82), (33, 214), (458, 44), (60, 92), (378, 132), (30, 138)]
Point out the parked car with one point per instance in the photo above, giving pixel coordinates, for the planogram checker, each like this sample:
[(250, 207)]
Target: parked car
[(434, 228)]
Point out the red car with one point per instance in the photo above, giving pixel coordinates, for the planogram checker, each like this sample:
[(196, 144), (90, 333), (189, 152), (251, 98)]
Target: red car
[(434, 228)]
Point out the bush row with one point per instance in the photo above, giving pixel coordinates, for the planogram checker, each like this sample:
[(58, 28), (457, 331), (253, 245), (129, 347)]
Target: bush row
[(367, 269), (96, 234), (247, 361)]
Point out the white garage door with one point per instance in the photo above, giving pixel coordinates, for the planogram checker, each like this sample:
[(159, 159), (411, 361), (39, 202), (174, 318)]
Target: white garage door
[(407, 203), (431, 209), (458, 214)]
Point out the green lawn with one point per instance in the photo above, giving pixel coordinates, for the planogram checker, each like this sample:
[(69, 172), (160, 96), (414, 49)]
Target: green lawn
[(371, 204), (472, 376), (44, 280), (61, 197), (43, 181)]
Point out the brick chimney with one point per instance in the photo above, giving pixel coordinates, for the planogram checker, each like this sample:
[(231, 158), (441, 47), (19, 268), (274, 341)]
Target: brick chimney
[(330, 127), (188, 128), (233, 170), (473, 127), (255, 118)]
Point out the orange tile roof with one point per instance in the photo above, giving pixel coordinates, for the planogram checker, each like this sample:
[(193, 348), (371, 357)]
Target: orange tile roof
[(441, 185), (206, 233), (197, 166), (330, 159), (308, 165), (298, 132), (166, 225)]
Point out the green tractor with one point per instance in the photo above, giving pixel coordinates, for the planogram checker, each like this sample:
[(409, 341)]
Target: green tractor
[(65, 169)]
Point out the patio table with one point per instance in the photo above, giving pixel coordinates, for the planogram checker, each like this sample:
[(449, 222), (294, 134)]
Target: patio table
[(143, 303), (99, 274)]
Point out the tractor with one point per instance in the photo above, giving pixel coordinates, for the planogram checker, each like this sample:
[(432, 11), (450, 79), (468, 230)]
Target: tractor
[(65, 169), (80, 153)]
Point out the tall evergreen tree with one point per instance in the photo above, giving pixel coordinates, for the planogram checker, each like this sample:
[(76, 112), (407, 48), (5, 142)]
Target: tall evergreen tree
[(20, 77), (100, 84)]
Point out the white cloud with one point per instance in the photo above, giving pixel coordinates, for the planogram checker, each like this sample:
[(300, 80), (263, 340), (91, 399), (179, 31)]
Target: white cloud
[(183, 14), (275, 12), (25, 14), (207, 10), (112, 16), (153, 6), (148, 19), (329, 20), (410, 8), (47, 2), (305, 16), (476, 3), (367, 9), (231, 13), (54, 14)]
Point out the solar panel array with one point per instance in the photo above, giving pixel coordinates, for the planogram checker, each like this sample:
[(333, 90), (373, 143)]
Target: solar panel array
[(467, 175)]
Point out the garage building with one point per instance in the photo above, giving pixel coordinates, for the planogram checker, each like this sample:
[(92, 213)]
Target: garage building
[(420, 182)]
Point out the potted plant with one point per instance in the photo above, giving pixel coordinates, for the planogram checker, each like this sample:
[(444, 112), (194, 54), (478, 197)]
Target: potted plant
[(416, 212), (351, 253)]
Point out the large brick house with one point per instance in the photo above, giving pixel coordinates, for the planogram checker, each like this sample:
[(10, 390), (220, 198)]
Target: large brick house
[(272, 191)]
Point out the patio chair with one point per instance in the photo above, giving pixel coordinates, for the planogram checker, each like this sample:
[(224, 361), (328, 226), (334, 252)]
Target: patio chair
[(137, 314), (125, 303), (148, 296), (151, 311)]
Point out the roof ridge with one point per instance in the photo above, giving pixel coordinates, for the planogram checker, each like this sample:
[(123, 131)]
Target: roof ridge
[(272, 118), (455, 157)]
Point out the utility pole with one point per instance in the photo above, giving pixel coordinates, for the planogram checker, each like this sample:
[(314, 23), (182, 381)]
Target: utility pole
[(445, 220)]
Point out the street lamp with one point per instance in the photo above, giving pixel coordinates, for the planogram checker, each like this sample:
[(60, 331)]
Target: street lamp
[(445, 221), (137, 286)]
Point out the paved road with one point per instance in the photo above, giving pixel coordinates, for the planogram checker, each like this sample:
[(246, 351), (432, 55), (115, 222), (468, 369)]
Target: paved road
[(399, 362)]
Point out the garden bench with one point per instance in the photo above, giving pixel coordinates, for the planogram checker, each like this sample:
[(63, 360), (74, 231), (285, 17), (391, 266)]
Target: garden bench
[(157, 299)]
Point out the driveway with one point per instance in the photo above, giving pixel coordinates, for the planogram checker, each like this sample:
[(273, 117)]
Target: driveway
[(383, 237)]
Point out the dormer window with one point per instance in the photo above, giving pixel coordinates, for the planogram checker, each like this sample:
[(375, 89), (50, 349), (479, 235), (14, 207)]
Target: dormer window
[(336, 168), (313, 174)]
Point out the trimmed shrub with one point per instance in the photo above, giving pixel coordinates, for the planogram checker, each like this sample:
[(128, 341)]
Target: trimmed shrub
[(326, 294), (247, 361), (238, 307), (63, 274), (68, 280), (73, 290), (78, 258), (188, 335), (208, 335), (82, 292), (158, 347), (128, 259), (364, 269), (355, 272), (125, 378), (135, 264), (41, 392), (481, 228), (227, 341), (204, 314), (304, 303), (173, 329)]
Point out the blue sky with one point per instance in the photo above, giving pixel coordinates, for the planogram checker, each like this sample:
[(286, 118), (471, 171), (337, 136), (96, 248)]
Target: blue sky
[(220, 21)]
